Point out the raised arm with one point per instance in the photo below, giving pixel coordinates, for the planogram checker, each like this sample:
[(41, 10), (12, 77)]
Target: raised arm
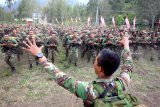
[(81, 89), (127, 64)]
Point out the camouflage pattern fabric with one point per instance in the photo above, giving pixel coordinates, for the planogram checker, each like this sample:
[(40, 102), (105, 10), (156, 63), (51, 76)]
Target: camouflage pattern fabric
[(10, 51), (84, 89)]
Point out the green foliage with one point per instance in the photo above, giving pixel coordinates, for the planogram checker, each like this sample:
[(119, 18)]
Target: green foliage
[(9, 3), (5, 16), (33, 95), (148, 9), (131, 17), (5, 73), (117, 5), (27, 7), (109, 8), (120, 20), (60, 10), (56, 9), (92, 7)]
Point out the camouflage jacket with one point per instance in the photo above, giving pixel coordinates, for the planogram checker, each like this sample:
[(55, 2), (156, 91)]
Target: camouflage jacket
[(9, 40), (50, 41), (85, 90)]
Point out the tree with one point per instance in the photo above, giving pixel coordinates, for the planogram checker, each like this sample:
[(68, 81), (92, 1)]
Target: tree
[(4, 16), (92, 7), (9, 4), (120, 20), (61, 10), (27, 8), (148, 9)]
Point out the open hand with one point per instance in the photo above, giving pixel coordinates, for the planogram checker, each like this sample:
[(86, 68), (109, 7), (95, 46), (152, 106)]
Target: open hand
[(124, 41), (32, 47)]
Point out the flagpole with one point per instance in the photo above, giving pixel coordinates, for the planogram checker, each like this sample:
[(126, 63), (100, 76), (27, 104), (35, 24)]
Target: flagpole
[(127, 23), (134, 23), (62, 18), (114, 22), (97, 19)]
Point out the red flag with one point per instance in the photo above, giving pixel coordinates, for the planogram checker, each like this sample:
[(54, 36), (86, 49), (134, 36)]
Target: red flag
[(102, 21), (89, 21), (57, 20), (134, 23), (114, 22), (76, 19), (71, 19), (103, 24), (127, 23)]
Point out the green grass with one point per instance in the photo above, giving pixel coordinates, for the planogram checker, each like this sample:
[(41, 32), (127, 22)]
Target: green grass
[(34, 85), (34, 95), (5, 73)]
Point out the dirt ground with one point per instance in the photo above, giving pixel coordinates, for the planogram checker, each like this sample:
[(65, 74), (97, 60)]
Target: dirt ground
[(34, 88)]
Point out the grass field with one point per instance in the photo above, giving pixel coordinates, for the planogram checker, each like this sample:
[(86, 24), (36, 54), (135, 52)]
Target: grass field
[(34, 88)]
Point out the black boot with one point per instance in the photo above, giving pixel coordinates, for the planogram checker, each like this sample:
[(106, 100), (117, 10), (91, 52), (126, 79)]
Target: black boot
[(13, 70), (30, 66), (37, 63)]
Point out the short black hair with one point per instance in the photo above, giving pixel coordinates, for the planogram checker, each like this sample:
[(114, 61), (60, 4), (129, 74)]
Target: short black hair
[(109, 61), (7, 31)]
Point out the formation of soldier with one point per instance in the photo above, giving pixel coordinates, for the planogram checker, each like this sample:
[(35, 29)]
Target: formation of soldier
[(13, 38), (77, 41), (90, 41)]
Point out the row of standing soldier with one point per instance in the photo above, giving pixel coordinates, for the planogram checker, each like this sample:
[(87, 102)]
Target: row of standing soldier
[(12, 39), (88, 40)]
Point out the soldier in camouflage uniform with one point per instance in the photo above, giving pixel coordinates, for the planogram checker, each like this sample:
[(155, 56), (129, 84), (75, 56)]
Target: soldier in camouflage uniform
[(92, 45), (105, 65), (31, 58), (74, 43), (16, 35), (51, 45), (66, 39), (83, 38), (158, 44), (104, 40), (1, 33), (9, 45)]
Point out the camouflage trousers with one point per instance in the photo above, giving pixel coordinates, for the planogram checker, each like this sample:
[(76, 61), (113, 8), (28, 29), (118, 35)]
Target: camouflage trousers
[(73, 55), (51, 52), (10, 59), (31, 59), (19, 53), (91, 53), (67, 50)]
